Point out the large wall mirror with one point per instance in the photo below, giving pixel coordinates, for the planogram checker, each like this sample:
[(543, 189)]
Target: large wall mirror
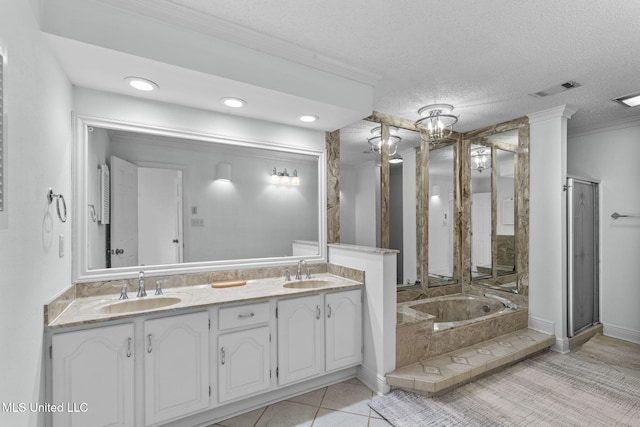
[(443, 215), (174, 201), (492, 172)]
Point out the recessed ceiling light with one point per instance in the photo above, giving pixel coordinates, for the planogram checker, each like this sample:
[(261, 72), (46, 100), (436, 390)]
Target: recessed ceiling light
[(308, 118), (629, 100), (141, 83), (233, 102)]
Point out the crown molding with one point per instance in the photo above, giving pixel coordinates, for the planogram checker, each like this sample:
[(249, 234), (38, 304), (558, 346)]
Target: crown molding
[(212, 26), (562, 111), (610, 127)]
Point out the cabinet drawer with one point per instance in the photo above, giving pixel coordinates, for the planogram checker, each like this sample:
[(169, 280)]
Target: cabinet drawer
[(243, 315)]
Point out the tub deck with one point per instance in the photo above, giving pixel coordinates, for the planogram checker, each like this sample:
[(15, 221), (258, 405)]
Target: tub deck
[(439, 374)]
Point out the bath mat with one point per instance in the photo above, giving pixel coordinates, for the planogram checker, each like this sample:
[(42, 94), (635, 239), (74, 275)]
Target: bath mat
[(550, 389), (612, 351)]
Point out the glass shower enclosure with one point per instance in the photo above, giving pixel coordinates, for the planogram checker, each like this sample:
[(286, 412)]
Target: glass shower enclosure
[(582, 255)]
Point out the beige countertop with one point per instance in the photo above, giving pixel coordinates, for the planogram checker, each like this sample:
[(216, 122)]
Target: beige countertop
[(100, 308)]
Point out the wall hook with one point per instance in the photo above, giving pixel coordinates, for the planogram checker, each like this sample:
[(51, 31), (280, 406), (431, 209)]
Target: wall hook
[(50, 196)]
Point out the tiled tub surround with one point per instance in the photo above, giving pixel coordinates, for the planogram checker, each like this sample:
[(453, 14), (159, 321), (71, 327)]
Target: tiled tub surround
[(83, 303), (421, 335)]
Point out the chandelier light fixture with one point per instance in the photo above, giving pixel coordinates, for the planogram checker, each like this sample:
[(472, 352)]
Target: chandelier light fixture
[(375, 142), (437, 121), (480, 159)]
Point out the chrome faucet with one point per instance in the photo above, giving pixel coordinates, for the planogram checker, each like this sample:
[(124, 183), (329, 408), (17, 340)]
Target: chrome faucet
[(159, 287), (299, 269), (141, 291), (507, 303)]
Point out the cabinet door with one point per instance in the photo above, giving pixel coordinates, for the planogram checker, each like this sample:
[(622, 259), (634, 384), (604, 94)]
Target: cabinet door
[(343, 313), (300, 338), (243, 363), (176, 366), (92, 373)]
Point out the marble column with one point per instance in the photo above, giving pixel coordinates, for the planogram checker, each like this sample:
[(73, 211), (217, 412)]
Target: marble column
[(333, 186)]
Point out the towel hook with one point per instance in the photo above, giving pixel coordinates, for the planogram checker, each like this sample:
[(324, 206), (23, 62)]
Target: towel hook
[(58, 197)]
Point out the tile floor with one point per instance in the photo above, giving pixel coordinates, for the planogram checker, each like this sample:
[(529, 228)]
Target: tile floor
[(340, 405)]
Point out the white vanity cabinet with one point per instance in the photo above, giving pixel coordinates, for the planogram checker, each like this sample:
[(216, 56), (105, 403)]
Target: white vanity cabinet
[(343, 329), (176, 366), (319, 333), (244, 351), (93, 372), (300, 338)]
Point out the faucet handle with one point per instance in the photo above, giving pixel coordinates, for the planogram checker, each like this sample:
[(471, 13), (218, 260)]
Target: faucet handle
[(308, 273), (287, 275), (159, 286), (123, 290)]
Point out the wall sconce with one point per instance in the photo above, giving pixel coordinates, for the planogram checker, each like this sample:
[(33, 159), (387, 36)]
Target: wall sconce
[(435, 191), (223, 172), (284, 178)]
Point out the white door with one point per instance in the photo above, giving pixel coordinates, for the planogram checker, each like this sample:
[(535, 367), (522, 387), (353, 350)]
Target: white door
[(300, 338), (176, 366), (124, 213), (343, 314), (94, 370), (481, 231), (243, 363), (159, 216)]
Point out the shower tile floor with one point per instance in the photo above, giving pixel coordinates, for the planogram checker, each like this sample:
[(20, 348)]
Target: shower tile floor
[(343, 404), (440, 374)]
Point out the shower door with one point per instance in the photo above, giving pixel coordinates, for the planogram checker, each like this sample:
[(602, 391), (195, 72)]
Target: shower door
[(582, 255)]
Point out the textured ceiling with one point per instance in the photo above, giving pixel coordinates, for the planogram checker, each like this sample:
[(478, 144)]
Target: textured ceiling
[(484, 57)]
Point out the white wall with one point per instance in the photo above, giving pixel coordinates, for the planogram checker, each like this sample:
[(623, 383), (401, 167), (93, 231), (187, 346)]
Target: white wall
[(38, 100), (611, 155)]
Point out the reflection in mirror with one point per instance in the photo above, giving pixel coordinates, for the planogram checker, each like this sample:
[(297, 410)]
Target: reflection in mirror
[(481, 217), (443, 247), (505, 198), (168, 198)]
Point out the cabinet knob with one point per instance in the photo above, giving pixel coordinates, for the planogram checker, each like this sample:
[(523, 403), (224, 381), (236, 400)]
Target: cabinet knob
[(149, 343), (128, 347), (222, 356), (317, 312), (329, 310)]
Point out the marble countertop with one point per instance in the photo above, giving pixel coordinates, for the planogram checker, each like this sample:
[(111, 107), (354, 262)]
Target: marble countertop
[(96, 309)]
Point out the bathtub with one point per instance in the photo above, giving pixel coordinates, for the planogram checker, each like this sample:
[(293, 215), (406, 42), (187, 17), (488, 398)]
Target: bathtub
[(433, 326), (457, 310)]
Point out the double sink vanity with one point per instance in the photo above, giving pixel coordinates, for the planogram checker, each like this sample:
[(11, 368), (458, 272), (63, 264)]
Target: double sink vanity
[(198, 354)]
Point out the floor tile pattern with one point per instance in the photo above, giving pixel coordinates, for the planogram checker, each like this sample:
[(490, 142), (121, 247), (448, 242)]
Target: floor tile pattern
[(345, 404)]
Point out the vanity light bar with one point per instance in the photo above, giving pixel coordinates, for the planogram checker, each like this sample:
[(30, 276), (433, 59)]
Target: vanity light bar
[(284, 178)]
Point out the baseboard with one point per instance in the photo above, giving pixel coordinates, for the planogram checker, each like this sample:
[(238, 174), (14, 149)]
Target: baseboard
[(561, 345), (541, 325), (621, 333), (376, 382)]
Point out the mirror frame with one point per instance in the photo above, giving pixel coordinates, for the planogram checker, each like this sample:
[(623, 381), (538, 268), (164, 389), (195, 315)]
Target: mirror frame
[(80, 271), (521, 276)]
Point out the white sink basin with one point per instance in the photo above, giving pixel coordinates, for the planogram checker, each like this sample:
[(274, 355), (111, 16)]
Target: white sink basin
[(308, 284), (139, 304)]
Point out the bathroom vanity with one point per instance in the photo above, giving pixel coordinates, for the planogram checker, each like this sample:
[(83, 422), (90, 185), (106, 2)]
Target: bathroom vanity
[(202, 354)]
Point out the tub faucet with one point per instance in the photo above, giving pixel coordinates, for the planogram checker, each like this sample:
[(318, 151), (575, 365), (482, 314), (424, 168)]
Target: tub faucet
[(141, 291), (299, 269), (504, 301)]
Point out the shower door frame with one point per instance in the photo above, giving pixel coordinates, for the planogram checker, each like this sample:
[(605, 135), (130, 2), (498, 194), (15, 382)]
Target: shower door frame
[(570, 253)]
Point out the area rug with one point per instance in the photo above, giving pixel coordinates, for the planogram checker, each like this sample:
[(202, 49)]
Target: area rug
[(612, 351), (550, 389)]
